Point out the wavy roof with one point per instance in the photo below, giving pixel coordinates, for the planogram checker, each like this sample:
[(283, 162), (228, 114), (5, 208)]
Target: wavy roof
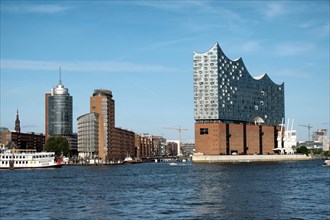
[(240, 60)]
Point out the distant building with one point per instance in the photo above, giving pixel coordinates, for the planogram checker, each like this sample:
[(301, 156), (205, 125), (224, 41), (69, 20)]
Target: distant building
[(171, 149), (234, 112), (188, 149), (123, 143), (159, 144), (321, 135), (311, 145), (2, 129), (143, 145)]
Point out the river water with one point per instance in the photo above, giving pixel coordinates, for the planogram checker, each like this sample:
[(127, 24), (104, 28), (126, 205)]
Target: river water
[(286, 190)]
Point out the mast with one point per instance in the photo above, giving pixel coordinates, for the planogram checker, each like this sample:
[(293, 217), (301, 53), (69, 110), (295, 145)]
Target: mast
[(60, 73)]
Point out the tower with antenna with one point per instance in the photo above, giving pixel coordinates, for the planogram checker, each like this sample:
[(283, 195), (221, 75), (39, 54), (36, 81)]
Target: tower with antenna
[(58, 110)]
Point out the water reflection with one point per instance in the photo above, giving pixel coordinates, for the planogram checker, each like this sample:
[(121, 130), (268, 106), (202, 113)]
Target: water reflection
[(161, 191)]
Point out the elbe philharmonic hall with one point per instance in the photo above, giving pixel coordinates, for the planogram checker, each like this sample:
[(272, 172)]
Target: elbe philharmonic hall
[(234, 112)]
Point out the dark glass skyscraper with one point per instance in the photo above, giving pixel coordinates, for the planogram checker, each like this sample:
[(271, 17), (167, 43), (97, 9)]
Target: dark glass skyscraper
[(59, 111)]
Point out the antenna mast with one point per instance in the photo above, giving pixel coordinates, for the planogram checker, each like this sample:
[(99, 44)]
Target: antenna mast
[(60, 76)]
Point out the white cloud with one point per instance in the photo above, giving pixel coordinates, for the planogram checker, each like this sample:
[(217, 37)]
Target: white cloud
[(85, 66), (274, 9), (184, 6), (40, 9)]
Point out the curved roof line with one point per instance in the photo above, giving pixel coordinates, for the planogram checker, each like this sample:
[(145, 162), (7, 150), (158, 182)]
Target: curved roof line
[(240, 59), (216, 44), (266, 77)]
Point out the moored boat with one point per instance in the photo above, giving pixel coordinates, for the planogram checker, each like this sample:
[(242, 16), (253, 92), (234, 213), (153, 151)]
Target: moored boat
[(130, 160), (27, 159), (326, 163)]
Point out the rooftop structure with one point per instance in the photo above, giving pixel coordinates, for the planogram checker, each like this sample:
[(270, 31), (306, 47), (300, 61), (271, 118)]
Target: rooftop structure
[(224, 91), (58, 111)]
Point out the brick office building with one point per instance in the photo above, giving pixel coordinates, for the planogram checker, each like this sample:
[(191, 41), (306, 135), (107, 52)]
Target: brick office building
[(234, 112), (97, 134), (143, 146)]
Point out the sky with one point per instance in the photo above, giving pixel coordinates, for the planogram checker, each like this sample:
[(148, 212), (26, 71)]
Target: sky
[(143, 52)]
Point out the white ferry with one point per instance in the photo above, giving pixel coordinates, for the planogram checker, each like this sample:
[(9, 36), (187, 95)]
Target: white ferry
[(20, 159)]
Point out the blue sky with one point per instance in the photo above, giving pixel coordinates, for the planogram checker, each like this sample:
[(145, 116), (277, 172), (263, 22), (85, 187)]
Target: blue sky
[(142, 51)]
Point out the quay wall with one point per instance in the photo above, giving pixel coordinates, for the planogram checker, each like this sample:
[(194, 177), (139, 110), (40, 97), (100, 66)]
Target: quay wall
[(200, 158)]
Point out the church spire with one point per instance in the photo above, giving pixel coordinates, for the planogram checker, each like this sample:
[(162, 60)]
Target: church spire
[(17, 123)]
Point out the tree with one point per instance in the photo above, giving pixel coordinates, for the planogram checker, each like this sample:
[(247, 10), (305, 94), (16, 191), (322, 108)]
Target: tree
[(59, 145), (303, 150)]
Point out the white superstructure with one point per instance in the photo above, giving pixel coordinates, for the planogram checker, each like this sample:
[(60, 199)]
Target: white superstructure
[(289, 139), (18, 159)]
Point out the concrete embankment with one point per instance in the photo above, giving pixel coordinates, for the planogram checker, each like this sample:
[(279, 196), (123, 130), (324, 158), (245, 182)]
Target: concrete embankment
[(199, 158)]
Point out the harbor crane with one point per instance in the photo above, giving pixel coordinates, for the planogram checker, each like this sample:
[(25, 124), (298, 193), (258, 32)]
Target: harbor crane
[(309, 130), (180, 133)]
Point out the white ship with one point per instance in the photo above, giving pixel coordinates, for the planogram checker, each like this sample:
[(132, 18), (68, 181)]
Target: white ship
[(22, 159)]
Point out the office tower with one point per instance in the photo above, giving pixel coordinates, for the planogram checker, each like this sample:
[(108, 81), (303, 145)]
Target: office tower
[(102, 103), (88, 145), (234, 112), (58, 112)]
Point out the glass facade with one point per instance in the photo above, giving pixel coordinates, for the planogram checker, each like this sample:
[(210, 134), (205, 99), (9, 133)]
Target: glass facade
[(88, 135), (225, 91), (60, 112)]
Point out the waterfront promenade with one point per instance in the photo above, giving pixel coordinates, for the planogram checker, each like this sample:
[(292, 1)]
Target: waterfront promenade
[(200, 158)]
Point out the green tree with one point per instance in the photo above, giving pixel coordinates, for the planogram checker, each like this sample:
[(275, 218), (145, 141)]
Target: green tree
[(59, 145), (303, 150)]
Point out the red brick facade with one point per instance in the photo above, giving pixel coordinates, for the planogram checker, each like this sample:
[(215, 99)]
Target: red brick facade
[(123, 144), (24, 140), (143, 146), (119, 142), (225, 139), (252, 138)]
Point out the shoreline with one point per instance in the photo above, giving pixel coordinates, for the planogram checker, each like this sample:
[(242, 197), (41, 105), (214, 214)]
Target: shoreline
[(200, 158)]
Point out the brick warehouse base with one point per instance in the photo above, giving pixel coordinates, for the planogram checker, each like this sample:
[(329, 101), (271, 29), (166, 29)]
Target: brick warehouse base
[(225, 139)]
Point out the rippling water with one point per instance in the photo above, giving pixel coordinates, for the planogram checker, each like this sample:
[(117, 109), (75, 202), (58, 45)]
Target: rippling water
[(293, 190)]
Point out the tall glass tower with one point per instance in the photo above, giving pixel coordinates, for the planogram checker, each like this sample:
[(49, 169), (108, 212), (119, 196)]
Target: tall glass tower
[(59, 111)]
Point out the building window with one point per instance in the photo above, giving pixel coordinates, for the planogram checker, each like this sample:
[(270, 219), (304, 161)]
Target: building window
[(204, 131)]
